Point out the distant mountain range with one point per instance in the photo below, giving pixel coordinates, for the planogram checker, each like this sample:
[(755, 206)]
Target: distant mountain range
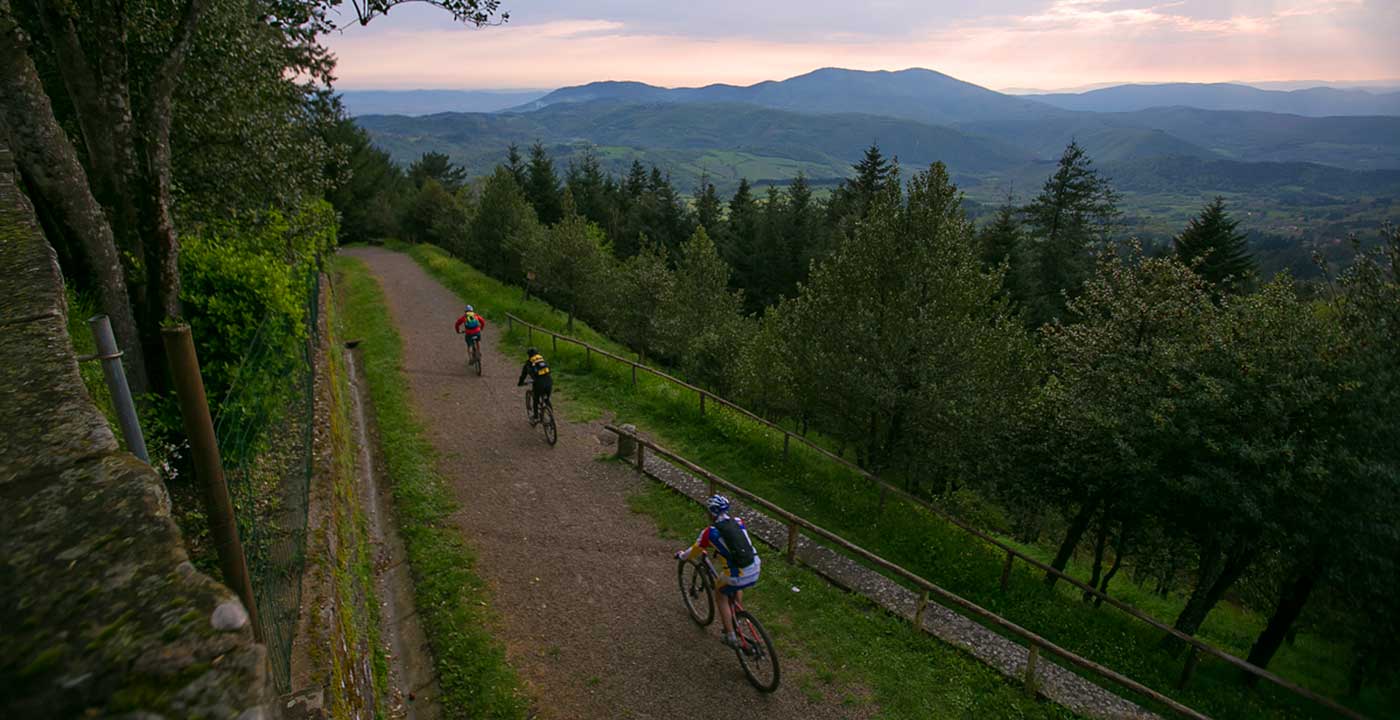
[(1312, 102), (1295, 171), (428, 102)]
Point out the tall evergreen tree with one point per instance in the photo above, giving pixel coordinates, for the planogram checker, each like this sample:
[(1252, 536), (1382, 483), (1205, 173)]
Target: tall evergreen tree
[(1214, 247), (708, 210), (739, 241), (516, 165), (589, 186), (436, 166), (1003, 241), (1074, 211), (542, 185)]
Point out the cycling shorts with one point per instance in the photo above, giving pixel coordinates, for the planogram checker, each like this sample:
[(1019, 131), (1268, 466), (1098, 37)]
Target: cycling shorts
[(744, 579)]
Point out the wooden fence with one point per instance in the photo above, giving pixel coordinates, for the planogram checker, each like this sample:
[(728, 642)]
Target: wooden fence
[(1035, 644), (1197, 647)]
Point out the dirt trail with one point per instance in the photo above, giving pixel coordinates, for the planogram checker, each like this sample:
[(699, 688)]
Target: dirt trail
[(589, 610)]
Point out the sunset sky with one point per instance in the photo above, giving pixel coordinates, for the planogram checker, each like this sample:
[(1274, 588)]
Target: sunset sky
[(1047, 44)]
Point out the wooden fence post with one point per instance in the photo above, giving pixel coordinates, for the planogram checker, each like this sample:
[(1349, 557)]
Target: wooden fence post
[(1006, 571), (588, 356), (641, 457), (530, 332), (883, 491), (786, 437), (634, 374), (702, 403), (1032, 659), (510, 323), (792, 542), (554, 343), (919, 611), (1192, 660)]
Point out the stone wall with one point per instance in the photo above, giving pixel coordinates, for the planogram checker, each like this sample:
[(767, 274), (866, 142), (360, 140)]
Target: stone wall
[(101, 613)]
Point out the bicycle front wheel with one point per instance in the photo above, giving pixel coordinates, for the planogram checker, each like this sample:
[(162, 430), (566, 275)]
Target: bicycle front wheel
[(697, 591), (551, 433), (756, 653)]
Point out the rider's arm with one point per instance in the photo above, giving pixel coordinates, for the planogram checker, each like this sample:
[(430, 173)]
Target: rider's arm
[(698, 547), (524, 369), (460, 320)]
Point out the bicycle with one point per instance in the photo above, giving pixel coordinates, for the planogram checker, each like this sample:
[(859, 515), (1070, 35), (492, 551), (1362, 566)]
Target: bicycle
[(546, 418), (474, 353), (755, 649)]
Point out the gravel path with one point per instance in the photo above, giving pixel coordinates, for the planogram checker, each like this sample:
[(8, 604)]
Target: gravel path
[(589, 612), (1057, 683)]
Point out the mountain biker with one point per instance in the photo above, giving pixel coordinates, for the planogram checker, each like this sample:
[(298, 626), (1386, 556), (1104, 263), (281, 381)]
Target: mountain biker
[(537, 368), (470, 325), (739, 563)]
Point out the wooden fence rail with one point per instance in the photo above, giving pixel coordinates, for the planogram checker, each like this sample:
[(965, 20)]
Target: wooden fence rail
[(1196, 645), (1035, 643)]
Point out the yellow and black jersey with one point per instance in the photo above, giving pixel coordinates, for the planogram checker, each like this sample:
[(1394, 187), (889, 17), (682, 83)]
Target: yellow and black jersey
[(536, 368)]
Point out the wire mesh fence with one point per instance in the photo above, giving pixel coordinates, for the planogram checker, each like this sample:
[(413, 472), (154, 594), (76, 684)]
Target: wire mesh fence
[(265, 428)]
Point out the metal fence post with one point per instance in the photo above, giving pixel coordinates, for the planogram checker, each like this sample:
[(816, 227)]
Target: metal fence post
[(199, 428), (111, 358)]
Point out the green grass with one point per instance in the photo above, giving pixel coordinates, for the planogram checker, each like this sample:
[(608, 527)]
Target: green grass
[(853, 646), (351, 568), (817, 489), (451, 599)]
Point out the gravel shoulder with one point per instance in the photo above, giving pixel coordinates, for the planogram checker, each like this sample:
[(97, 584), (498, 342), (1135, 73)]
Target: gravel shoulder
[(584, 588)]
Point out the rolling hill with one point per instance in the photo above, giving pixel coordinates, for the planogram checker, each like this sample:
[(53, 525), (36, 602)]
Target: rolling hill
[(1312, 102)]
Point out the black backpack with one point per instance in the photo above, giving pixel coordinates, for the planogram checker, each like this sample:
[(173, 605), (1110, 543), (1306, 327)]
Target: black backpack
[(741, 552)]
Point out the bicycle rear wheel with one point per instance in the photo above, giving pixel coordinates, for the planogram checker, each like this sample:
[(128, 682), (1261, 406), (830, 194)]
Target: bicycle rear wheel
[(756, 653), (697, 591), (476, 357), (551, 433)]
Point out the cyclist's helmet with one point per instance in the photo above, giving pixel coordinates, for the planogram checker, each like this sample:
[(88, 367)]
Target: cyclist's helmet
[(718, 505), (469, 308), (531, 352)]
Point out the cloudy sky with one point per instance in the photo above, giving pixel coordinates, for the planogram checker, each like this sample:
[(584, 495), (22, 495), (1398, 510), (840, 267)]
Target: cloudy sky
[(1048, 44)]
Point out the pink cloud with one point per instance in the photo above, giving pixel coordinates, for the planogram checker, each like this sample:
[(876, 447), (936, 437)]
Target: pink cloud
[(1067, 42)]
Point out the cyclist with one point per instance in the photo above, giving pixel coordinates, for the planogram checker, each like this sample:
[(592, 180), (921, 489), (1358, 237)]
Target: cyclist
[(738, 559), (471, 325), (537, 368)]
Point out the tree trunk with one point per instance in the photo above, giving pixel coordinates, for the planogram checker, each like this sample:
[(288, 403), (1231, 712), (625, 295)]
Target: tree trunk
[(1218, 572), (1103, 586), (1076, 529), (1100, 544), (1293, 598), (50, 164)]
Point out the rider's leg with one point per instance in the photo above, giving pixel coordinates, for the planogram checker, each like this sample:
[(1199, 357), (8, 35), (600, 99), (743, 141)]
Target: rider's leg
[(726, 610)]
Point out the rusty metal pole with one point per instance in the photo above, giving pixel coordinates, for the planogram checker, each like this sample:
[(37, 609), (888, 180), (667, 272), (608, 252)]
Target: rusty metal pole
[(208, 468)]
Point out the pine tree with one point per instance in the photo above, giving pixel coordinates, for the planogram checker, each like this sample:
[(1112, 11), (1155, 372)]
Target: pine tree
[(707, 206), (1074, 211), (1212, 245), (739, 240), (589, 185), (435, 166), (515, 165), (542, 186), (1003, 241)]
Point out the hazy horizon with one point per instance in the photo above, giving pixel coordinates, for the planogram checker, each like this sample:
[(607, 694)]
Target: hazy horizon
[(1050, 45)]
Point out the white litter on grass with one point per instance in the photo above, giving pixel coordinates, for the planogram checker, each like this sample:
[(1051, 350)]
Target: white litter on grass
[(796, 589)]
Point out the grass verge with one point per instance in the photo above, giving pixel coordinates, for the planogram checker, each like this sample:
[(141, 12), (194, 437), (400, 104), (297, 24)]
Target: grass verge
[(350, 564), (826, 494), (450, 597), (848, 641)]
